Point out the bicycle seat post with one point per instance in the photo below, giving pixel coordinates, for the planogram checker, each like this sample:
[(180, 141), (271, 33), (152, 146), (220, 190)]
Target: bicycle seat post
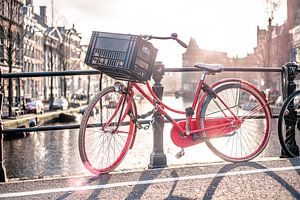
[(203, 75)]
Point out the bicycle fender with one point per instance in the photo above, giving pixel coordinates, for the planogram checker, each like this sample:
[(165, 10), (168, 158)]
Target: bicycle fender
[(234, 80)]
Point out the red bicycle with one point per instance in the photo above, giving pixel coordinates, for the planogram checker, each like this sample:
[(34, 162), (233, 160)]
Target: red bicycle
[(231, 116)]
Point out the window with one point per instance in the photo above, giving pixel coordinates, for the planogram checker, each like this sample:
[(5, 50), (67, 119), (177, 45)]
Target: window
[(1, 45), (18, 49), (2, 7), (298, 54), (25, 66), (1, 51)]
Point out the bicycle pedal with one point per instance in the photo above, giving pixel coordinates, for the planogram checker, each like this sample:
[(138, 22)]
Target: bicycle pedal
[(180, 154)]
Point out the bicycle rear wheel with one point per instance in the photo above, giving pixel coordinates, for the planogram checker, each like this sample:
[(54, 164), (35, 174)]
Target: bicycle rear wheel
[(289, 125), (244, 141), (106, 131)]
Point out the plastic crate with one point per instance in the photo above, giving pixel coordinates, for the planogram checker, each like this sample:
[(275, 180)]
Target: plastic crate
[(121, 56)]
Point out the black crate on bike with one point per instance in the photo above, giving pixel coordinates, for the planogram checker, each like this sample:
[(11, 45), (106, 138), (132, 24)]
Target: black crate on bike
[(121, 56)]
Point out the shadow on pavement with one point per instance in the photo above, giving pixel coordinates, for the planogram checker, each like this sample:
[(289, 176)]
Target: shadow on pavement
[(138, 190), (171, 196), (295, 162), (100, 179), (215, 182)]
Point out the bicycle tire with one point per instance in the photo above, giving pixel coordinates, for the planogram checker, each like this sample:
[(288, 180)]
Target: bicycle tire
[(289, 124), (248, 141), (103, 143)]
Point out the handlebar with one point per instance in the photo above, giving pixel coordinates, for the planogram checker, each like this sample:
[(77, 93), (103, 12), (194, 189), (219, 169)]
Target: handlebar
[(173, 36)]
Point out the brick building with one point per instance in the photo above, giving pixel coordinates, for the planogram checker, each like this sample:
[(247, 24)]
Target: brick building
[(294, 24), (11, 51)]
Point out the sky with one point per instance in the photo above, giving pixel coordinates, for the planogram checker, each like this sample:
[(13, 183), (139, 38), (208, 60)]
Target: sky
[(222, 25)]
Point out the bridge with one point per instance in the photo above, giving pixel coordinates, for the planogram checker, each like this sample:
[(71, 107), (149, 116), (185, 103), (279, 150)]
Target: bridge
[(281, 173)]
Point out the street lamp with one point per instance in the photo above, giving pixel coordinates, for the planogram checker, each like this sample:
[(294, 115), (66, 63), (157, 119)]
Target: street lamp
[(67, 65)]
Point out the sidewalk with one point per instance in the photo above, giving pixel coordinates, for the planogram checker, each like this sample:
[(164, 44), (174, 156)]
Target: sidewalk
[(24, 120), (272, 179)]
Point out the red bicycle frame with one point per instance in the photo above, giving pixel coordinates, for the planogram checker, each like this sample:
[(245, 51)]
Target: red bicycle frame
[(155, 101)]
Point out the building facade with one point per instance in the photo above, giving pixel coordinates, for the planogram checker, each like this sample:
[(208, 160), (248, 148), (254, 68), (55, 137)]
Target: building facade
[(72, 56), (295, 53), (194, 55), (11, 50), (294, 18), (34, 46), (49, 49)]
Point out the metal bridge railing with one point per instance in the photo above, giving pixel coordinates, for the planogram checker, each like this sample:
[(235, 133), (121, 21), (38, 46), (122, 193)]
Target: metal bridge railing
[(95, 72)]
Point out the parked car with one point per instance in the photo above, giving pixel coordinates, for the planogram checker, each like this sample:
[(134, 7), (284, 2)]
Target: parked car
[(60, 103), (34, 106)]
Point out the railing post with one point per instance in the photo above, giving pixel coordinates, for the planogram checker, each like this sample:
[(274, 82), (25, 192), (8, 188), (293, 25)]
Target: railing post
[(291, 69), (158, 158), (2, 168)]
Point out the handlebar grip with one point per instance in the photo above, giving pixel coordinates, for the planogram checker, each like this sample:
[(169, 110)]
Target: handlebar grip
[(184, 45), (174, 37)]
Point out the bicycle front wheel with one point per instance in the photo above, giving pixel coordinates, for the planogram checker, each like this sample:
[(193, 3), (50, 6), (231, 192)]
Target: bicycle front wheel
[(245, 140), (106, 131), (289, 125)]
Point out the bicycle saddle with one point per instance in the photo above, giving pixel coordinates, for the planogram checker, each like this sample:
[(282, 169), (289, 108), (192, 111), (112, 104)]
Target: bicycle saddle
[(210, 68)]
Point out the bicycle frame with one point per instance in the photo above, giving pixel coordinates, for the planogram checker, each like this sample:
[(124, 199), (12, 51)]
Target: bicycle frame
[(157, 103)]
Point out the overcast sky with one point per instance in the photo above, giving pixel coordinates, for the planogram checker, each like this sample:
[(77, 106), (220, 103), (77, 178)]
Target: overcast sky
[(223, 25)]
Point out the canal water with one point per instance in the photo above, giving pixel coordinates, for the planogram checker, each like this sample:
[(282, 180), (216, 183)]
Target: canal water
[(55, 153)]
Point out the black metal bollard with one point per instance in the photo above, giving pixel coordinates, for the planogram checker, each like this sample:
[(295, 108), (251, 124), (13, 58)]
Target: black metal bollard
[(158, 158), (291, 69), (2, 168)]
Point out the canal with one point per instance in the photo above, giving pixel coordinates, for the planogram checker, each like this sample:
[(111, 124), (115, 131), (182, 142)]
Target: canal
[(55, 153)]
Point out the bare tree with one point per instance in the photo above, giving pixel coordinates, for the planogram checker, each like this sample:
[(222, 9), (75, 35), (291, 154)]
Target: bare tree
[(272, 44), (271, 7), (11, 38)]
